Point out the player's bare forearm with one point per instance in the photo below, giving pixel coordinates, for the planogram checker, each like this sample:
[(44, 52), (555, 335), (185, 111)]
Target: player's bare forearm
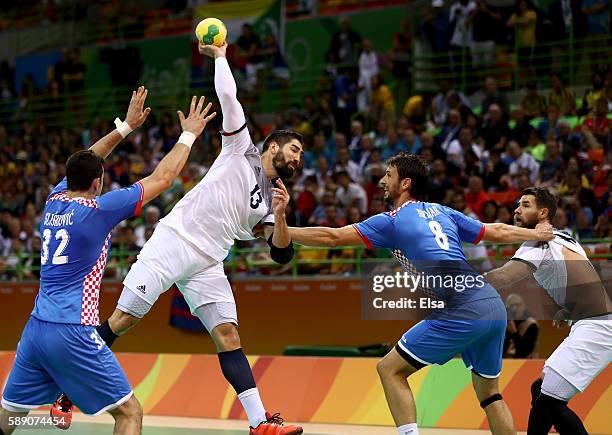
[(502, 233), (510, 273), (281, 236), (105, 146), (325, 236)]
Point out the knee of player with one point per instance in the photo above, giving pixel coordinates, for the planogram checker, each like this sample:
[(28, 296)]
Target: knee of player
[(226, 337), (132, 409), (385, 369)]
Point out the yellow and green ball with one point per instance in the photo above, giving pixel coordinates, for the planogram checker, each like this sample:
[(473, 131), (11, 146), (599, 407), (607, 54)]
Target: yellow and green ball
[(211, 31)]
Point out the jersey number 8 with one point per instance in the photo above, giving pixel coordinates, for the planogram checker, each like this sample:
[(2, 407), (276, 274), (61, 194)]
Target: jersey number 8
[(58, 258), (441, 238)]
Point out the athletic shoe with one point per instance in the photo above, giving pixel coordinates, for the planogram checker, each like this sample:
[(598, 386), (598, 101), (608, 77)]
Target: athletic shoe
[(274, 426), (61, 411)]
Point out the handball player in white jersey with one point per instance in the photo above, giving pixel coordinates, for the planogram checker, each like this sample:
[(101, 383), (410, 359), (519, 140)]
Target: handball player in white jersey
[(190, 243), (562, 268)]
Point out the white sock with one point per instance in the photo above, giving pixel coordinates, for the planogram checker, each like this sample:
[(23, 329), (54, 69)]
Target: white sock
[(251, 402), (408, 429)]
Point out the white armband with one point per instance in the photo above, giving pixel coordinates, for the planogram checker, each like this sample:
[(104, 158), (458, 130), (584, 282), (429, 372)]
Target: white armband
[(187, 138), (123, 127)]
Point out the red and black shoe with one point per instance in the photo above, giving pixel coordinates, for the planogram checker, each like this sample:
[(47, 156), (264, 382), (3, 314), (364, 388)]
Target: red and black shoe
[(274, 426), (61, 412)]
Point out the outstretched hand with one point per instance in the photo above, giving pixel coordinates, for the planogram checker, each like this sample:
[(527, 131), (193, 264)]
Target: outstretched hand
[(281, 197), (196, 121), (212, 50), (135, 114)]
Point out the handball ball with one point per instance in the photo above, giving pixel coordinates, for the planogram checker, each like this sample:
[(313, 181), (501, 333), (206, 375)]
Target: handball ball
[(211, 31)]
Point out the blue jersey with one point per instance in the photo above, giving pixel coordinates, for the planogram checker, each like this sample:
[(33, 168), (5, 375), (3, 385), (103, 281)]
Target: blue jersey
[(75, 236), (426, 238)]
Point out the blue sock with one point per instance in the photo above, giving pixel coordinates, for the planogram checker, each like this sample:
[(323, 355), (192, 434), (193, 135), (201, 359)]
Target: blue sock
[(236, 369)]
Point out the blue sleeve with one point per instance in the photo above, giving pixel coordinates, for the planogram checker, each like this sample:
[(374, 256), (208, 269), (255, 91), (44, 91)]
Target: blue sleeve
[(377, 231), (469, 230), (62, 185), (122, 203)]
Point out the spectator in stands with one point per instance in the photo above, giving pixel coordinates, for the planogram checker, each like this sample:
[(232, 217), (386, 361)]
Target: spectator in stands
[(458, 203), (461, 39), (418, 110), (476, 196), (345, 43), (350, 193), (522, 128), (579, 201), (494, 169), (328, 199), (436, 30), (344, 163), (522, 330), (274, 61), (368, 68), (550, 125), (533, 103), (331, 218), (442, 99), (560, 222), (570, 143), (450, 129), (551, 164), (489, 212), (495, 132), (458, 148), (151, 219), (561, 96), (485, 24), (345, 98), (251, 60), (598, 125), (307, 200), (493, 96), (381, 100), (400, 56), (504, 215), (589, 100), (439, 182), (522, 163), (524, 21)]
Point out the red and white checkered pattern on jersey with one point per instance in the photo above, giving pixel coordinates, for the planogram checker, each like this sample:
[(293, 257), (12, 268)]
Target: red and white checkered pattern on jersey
[(62, 196), (411, 270), (392, 213), (91, 289)]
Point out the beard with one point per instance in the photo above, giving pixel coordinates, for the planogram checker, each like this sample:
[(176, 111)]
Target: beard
[(521, 222), (280, 165)]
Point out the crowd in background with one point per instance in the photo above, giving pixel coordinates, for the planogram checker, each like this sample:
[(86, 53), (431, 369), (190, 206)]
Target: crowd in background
[(482, 151)]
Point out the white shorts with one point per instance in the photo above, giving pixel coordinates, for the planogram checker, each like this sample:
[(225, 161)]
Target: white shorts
[(167, 259), (584, 353)]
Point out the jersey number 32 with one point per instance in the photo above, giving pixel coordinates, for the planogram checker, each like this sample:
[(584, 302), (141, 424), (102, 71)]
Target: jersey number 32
[(58, 258)]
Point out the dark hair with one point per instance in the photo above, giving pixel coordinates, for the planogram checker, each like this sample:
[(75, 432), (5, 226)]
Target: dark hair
[(82, 168), (413, 167), (281, 137), (544, 199)]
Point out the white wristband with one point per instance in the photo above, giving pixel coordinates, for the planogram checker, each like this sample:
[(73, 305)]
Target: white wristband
[(122, 127), (187, 138)]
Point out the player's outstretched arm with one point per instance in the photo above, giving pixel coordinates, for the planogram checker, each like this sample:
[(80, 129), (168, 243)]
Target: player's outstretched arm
[(225, 86), (502, 233), (133, 119), (325, 236), (172, 164), (510, 273)]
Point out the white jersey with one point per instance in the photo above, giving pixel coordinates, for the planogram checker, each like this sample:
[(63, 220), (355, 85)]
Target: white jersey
[(548, 262), (233, 197)]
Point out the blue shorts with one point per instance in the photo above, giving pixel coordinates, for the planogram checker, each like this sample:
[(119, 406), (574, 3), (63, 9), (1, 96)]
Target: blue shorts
[(58, 357), (476, 330)]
